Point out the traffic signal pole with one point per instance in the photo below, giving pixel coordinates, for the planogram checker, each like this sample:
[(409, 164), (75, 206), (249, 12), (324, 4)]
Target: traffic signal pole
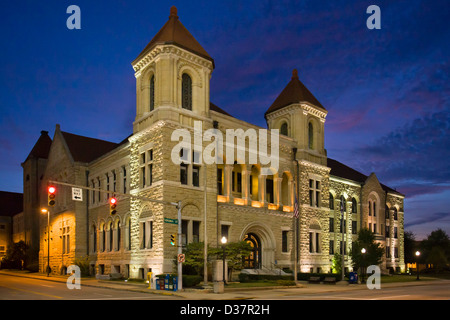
[(180, 249), (176, 204)]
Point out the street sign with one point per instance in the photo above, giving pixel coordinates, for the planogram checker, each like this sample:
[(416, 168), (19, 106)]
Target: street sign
[(171, 221), (181, 258), (77, 194)]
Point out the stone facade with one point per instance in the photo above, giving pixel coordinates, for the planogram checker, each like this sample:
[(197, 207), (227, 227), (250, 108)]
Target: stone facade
[(232, 198)]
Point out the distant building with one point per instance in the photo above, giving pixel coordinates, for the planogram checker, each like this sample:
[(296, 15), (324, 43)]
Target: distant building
[(173, 92), (33, 189), (12, 206)]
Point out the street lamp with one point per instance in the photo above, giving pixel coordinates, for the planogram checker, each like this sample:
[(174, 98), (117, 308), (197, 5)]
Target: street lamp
[(363, 251), (48, 239), (224, 242), (417, 263)]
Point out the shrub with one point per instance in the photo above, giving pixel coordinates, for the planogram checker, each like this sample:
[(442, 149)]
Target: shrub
[(83, 264), (245, 277), (191, 280)]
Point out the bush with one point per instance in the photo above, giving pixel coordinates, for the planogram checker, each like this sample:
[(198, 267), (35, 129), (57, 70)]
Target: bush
[(306, 276), (191, 280), (286, 282), (83, 264), (245, 277)]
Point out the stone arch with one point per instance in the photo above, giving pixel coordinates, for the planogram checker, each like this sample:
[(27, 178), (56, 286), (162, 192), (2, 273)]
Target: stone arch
[(267, 242), (287, 188), (185, 67)]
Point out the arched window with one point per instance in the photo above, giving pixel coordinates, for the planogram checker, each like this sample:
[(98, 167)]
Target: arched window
[(94, 238), (118, 236), (102, 238), (186, 93), (253, 261), (310, 136), (284, 129), (331, 202), (354, 206), (152, 93), (111, 237), (343, 204)]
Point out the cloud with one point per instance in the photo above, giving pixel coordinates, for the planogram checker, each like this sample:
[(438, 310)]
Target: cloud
[(418, 152), (429, 218)]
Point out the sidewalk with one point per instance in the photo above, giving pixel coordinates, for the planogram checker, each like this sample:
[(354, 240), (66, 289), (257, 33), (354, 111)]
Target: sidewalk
[(207, 294)]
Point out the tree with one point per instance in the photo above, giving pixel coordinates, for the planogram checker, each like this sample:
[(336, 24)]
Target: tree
[(16, 256), (410, 247), (436, 249), (374, 251), (234, 254), (336, 266)]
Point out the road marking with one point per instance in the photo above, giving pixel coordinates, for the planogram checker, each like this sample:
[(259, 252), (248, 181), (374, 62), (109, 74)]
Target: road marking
[(33, 292), (118, 298), (391, 297)]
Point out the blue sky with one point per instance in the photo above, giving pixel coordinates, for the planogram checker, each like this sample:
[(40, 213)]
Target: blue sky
[(386, 91)]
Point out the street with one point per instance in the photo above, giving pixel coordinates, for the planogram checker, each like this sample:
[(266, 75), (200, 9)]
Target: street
[(14, 287), (21, 288)]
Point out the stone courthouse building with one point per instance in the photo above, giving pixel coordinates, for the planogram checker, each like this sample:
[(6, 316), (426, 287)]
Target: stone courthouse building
[(231, 198)]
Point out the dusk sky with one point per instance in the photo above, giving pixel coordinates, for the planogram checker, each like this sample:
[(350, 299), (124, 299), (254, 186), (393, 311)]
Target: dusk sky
[(386, 91)]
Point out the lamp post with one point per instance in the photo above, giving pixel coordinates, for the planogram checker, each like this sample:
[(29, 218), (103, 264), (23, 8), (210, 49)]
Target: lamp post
[(48, 239), (224, 242), (417, 263), (363, 251)]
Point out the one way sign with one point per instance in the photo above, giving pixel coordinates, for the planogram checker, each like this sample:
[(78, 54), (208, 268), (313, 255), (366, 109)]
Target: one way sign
[(77, 194)]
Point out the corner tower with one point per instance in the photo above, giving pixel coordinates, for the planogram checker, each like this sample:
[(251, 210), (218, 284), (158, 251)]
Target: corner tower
[(299, 115), (172, 77)]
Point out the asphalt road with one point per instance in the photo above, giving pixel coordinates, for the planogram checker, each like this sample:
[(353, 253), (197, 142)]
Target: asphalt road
[(21, 288), (436, 291)]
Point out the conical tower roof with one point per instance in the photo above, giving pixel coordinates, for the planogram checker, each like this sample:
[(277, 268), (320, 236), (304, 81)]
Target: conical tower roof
[(295, 92), (174, 32)]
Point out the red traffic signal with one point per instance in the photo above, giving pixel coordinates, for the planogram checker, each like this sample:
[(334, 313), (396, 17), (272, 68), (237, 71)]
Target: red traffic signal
[(51, 196), (112, 206)]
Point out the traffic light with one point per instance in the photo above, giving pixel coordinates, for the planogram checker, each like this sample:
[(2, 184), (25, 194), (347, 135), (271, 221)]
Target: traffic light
[(112, 206), (51, 196), (173, 239)]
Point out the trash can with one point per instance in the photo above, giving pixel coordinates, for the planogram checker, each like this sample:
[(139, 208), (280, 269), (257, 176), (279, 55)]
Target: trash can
[(353, 278)]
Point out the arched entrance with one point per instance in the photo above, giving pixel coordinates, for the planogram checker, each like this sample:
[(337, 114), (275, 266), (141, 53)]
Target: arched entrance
[(262, 240), (253, 261)]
